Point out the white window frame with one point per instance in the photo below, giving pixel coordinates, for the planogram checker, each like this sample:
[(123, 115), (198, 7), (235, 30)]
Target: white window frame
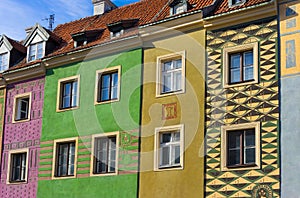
[(16, 107), (104, 135), (55, 147), (97, 84), (226, 65), (59, 93), (227, 129), (173, 9), (7, 61), (36, 50), (157, 147), (12, 152), (231, 4), (159, 76), (116, 34)]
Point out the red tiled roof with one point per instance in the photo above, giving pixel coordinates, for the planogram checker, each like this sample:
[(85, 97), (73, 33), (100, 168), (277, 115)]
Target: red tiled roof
[(18, 46), (223, 7)]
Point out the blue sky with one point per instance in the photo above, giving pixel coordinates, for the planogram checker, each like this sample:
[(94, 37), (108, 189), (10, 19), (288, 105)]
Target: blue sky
[(16, 15)]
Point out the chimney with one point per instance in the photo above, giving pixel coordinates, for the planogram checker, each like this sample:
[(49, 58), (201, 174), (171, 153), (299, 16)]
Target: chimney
[(102, 6)]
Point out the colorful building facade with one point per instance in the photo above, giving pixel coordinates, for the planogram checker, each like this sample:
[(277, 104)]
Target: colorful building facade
[(242, 114), (21, 138), (289, 77)]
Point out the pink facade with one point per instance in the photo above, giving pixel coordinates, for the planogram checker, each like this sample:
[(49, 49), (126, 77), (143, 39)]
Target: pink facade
[(22, 135)]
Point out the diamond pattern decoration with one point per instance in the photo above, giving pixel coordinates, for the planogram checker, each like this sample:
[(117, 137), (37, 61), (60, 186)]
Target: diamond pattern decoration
[(243, 104)]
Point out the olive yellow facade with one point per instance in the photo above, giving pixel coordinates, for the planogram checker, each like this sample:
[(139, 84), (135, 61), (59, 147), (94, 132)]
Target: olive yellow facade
[(172, 125)]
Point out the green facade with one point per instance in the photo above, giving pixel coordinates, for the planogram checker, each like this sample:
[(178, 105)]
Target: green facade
[(121, 116)]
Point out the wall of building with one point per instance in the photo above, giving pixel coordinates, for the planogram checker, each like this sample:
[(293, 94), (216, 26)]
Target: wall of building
[(89, 119), (22, 135), (257, 102), (186, 108), (289, 20)]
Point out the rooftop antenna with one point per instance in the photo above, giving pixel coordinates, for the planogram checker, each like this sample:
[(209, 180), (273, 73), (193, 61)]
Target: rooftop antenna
[(50, 21)]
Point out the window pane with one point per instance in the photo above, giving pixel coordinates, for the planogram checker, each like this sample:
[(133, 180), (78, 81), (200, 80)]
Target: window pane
[(250, 156), (235, 61), (234, 157), (249, 138), (166, 137), (105, 94), (167, 82), (74, 93), (32, 52), (177, 63), (167, 66), (234, 140), (176, 137), (235, 75), (248, 58), (248, 73), (114, 93), (177, 154), (165, 156), (177, 81)]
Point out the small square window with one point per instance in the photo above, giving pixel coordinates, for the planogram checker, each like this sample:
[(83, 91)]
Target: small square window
[(116, 34), (240, 65), (22, 107), (169, 148), (36, 51), (171, 74), (108, 85), (65, 158), (3, 62), (290, 11), (18, 165), (105, 154), (236, 2), (68, 93), (240, 146)]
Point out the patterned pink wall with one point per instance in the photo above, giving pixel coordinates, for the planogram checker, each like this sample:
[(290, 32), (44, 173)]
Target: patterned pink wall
[(22, 135)]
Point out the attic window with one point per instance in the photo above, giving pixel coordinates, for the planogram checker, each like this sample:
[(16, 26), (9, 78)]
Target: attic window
[(3, 62), (36, 51), (236, 2), (118, 28), (178, 6), (83, 38)]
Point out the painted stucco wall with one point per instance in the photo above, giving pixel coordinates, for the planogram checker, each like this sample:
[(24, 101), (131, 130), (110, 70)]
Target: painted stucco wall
[(23, 135), (187, 109), (89, 119), (258, 102), (290, 98)]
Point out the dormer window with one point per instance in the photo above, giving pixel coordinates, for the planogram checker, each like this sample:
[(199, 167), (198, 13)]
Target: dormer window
[(236, 2), (83, 38), (3, 62), (178, 6), (120, 27), (36, 51)]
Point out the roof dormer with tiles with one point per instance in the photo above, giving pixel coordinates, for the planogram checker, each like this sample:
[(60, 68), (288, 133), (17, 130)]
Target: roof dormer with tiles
[(179, 6), (84, 37), (39, 42), (118, 28), (11, 52)]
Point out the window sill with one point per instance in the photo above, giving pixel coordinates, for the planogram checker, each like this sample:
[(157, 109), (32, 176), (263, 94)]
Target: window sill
[(16, 182), (63, 177), (240, 167), (107, 102), (67, 109), (170, 93), (20, 121), (255, 81), (103, 174), (168, 168)]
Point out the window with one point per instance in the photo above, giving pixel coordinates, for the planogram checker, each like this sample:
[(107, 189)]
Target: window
[(178, 6), (236, 2), (116, 34), (35, 51), (22, 107), (171, 74), (65, 157), (241, 146), (169, 148), (18, 166), (68, 93), (3, 62), (108, 84), (240, 65)]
